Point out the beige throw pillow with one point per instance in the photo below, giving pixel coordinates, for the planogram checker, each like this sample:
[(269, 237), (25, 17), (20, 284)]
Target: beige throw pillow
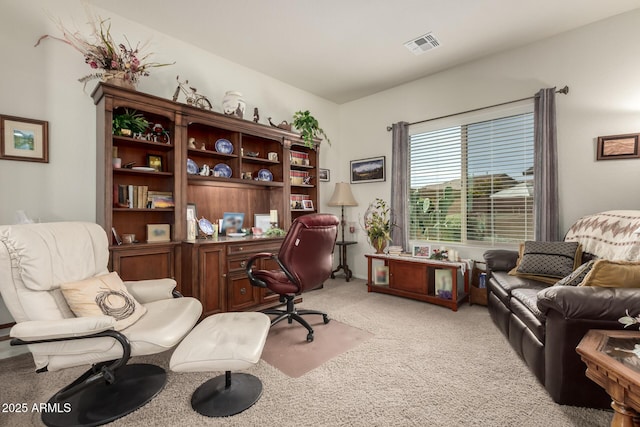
[(613, 274), (103, 295)]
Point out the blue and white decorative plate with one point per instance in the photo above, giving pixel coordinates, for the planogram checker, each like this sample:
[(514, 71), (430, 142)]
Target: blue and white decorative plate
[(265, 175), (222, 170), (192, 167), (206, 226), (224, 146)]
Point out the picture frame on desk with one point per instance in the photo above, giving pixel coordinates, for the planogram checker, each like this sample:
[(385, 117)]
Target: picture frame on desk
[(232, 222), (307, 205), (381, 275), (158, 233), (262, 222), (192, 211), (421, 251)]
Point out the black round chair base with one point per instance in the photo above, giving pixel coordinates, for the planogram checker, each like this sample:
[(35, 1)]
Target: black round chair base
[(101, 403), (215, 399)]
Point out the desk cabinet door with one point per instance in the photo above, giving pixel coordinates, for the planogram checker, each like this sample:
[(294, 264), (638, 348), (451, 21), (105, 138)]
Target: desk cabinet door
[(408, 277), (211, 290), (241, 294)]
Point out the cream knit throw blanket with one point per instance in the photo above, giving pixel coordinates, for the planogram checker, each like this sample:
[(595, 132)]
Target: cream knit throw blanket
[(613, 235)]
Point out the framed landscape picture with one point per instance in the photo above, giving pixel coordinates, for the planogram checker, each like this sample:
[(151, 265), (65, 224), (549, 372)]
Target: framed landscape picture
[(368, 170), (24, 139), (324, 175)]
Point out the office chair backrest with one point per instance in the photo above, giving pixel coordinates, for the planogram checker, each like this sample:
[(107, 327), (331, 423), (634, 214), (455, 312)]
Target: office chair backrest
[(307, 250)]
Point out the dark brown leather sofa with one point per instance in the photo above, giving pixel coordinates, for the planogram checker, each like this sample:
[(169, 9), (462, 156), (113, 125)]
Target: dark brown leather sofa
[(544, 323)]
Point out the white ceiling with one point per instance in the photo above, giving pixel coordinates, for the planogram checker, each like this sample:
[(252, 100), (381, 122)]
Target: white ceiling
[(343, 50)]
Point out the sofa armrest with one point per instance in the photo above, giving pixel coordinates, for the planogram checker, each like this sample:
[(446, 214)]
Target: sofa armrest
[(500, 259), (589, 302), (75, 327), (145, 291)]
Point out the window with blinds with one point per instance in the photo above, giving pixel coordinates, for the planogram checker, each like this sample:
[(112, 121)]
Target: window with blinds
[(473, 182)]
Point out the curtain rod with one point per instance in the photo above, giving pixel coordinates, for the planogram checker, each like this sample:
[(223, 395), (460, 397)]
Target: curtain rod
[(564, 90)]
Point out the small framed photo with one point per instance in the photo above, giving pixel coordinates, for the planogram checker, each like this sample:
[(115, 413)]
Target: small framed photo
[(444, 283), (192, 212), (421, 251), (158, 233), (232, 222), (618, 147), (368, 170), (24, 139), (324, 175), (307, 205), (154, 161), (261, 222), (116, 236), (381, 275)]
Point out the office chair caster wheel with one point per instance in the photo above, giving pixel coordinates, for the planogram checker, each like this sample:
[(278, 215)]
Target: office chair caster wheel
[(326, 319), (310, 337)]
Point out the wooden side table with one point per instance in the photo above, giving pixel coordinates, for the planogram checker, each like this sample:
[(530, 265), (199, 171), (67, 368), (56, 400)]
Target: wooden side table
[(342, 264), (612, 365)]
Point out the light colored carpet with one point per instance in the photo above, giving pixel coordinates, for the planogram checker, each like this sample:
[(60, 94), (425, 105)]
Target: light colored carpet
[(425, 366), (288, 350)]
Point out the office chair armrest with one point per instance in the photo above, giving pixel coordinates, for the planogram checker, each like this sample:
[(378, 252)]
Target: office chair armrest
[(253, 279), (145, 291), (75, 327)]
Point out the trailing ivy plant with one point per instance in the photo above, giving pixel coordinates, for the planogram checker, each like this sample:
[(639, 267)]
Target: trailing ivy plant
[(309, 127)]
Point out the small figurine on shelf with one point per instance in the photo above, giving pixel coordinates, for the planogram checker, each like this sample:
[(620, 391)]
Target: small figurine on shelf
[(256, 115), (192, 143), (192, 96)]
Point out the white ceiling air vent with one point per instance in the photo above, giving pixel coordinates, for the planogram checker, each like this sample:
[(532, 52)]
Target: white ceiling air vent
[(422, 44)]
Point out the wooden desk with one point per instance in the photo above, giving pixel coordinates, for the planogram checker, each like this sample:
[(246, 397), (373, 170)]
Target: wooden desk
[(612, 365), (419, 278)]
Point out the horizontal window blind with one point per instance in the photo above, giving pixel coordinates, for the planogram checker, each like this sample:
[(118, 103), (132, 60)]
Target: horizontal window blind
[(473, 182)]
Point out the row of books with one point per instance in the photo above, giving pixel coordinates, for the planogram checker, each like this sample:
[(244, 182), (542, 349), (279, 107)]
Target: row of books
[(299, 158), (140, 197)]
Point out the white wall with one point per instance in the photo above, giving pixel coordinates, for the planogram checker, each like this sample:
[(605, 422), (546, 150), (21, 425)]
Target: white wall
[(599, 63), (41, 83)]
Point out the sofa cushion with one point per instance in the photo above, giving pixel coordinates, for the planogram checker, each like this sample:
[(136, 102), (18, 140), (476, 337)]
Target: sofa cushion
[(524, 304), (577, 276), (613, 274), (548, 261), (502, 285), (103, 295)]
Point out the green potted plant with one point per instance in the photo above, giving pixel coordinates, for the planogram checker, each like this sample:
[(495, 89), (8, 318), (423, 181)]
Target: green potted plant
[(128, 122), (309, 127), (377, 224)]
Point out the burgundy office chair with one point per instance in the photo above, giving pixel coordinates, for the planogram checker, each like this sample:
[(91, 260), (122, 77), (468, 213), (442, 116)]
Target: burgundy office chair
[(306, 261)]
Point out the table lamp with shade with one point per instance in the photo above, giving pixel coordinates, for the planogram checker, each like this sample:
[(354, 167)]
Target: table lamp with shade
[(342, 197)]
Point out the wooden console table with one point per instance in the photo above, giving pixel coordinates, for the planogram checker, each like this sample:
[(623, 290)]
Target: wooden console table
[(423, 279), (612, 365)]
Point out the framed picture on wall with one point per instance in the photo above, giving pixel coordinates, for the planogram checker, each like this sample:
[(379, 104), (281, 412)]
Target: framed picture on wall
[(618, 147), (24, 139), (324, 175), (368, 170)]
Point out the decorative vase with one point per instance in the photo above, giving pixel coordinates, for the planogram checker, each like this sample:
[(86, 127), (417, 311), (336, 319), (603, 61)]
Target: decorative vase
[(118, 79), (379, 244), (233, 104)]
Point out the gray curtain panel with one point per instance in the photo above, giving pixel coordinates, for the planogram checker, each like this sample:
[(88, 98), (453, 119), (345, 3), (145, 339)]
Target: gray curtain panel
[(545, 164), (400, 184)]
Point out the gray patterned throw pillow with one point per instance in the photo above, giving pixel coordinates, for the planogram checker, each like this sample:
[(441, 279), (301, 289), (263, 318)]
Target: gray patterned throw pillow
[(548, 261), (577, 276)]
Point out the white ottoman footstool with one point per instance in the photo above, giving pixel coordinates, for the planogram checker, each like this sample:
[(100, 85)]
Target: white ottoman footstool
[(224, 342)]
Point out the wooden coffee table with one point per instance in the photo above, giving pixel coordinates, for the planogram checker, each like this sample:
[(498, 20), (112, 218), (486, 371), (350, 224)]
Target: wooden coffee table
[(612, 365)]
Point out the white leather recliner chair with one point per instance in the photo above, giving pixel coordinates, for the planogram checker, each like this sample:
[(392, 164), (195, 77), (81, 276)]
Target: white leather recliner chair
[(35, 260)]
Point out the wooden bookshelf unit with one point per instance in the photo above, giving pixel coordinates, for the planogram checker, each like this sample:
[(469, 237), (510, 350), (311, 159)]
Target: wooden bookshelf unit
[(422, 279), (255, 168)]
